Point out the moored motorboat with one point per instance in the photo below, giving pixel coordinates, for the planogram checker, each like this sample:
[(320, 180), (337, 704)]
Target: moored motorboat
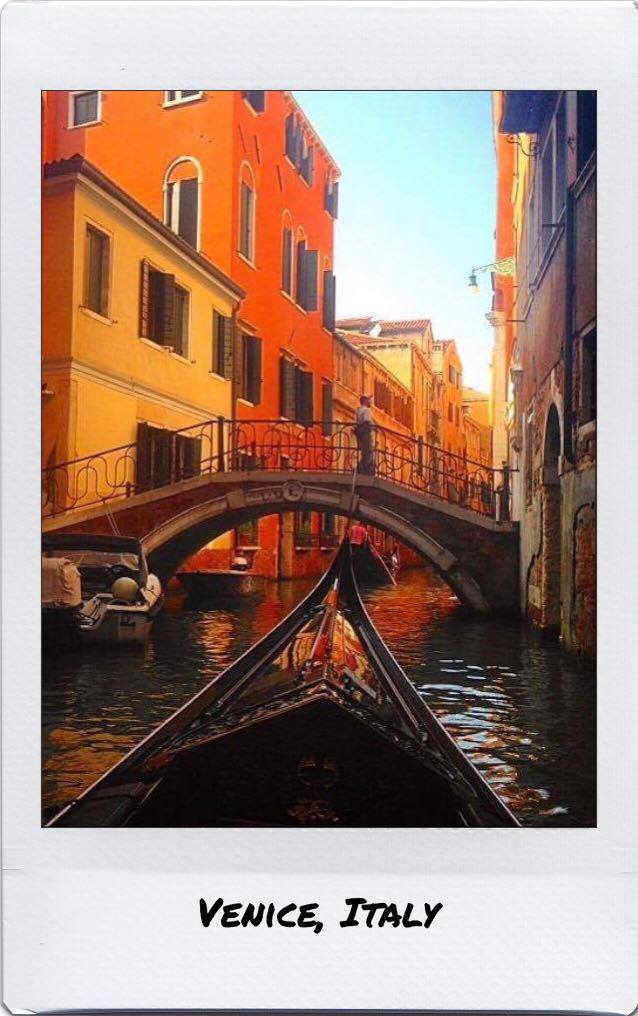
[(216, 583), (61, 598), (119, 597), (315, 725)]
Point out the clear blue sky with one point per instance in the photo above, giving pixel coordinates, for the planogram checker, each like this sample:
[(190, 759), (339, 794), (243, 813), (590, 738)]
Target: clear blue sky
[(416, 209)]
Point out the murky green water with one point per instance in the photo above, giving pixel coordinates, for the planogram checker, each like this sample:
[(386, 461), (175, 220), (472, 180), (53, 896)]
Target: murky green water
[(523, 709)]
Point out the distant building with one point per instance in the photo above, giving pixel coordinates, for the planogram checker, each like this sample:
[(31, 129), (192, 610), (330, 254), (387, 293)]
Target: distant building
[(447, 366), (476, 409), (544, 363)]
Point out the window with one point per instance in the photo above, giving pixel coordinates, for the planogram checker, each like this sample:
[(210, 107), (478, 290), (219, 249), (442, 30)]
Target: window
[(182, 95), (326, 408), (96, 286), (588, 378), (451, 374), (247, 222), (295, 391), (181, 202), (256, 100), (293, 140), (329, 299), (85, 109), (164, 310), (286, 262), (331, 197), (450, 412), (457, 416), (307, 270), (303, 529), (307, 165), (247, 534), (250, 381), (553, 176), (164, 456), (586, 128), (329, 536), (222, 348)]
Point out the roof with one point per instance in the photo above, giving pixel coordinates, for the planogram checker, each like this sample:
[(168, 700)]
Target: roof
[(357, 324), (411, 325), (79, 166)]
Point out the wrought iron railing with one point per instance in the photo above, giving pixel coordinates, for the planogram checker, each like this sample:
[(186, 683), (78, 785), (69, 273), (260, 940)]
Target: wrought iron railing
[(221, 445)]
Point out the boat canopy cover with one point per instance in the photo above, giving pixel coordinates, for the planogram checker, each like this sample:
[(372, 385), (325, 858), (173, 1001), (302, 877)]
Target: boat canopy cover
[(89, 541), (61, 583)]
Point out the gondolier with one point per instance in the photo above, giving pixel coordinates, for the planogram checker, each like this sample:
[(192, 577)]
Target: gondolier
[(363, 429)]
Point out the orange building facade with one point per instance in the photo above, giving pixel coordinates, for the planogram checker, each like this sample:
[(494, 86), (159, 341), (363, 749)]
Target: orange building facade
[(245, 180), (449, 369)]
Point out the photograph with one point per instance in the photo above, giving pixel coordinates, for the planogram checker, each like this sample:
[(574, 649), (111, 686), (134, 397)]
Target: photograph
[(318, 458)]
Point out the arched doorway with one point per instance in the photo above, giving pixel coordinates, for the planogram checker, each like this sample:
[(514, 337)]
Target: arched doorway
[(551, 524)]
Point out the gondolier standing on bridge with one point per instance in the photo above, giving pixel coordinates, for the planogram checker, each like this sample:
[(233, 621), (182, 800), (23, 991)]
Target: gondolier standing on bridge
[(364, 428)]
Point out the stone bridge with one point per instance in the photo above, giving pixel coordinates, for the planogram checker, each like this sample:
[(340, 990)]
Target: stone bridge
[(474, 553)]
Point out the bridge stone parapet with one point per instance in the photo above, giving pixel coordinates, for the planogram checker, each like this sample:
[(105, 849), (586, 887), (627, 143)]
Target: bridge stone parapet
[(474, 553)]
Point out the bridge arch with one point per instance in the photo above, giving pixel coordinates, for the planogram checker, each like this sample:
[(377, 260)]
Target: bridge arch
[(169, 544)]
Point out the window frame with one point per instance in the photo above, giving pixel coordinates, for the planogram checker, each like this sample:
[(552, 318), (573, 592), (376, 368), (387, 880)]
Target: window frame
[(92, 227), (173, 202), (71, 125), (186, 321), (250, 257), (180, 99)]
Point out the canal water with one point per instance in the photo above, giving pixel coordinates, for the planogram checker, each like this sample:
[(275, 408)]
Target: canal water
[(522, 708)]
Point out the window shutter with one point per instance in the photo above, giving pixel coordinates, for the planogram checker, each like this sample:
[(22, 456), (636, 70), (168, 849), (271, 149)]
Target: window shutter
[(286, 264), (287, 388), (166, 309), (326, 408), (305, 397), (257, 100), (105, 247), (228, 343), (329, 301), (145, 296), (335, 200), (162, 457), (188, 198), (253, 369), (311, 267), (239, 341), (143, 458), (301, 275), (290, 137), (187, 456)]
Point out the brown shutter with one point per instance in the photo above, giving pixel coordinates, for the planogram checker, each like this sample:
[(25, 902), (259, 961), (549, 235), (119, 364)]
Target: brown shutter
[(311, 267), (145, 297), (188, 452), (290, 137), (216, 345), (105, 250), (166, 309), (239, 364), (228, 339), (162, 456)]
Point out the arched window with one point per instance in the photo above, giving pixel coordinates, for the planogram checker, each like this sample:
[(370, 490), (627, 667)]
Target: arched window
[(182, 199), (287, 253), (247, 201)]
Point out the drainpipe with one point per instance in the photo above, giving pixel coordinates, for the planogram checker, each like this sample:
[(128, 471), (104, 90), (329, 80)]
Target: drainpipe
[(570, 268)]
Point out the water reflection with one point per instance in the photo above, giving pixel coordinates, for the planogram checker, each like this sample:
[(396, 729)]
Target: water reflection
[(523, 710)]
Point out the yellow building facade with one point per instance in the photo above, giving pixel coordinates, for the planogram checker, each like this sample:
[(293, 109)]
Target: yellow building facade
[(132, 318)]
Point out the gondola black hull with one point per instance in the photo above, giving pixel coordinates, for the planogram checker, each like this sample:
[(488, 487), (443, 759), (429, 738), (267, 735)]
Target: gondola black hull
[(316, 725)]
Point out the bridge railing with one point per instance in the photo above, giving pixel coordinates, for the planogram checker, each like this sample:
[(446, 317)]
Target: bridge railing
[(163, 458)]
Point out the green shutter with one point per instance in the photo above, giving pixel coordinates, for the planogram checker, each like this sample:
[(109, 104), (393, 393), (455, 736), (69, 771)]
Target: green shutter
[(329, 287), (326, 408)]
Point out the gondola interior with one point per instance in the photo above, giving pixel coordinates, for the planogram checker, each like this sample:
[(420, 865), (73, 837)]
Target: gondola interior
[(315, 725)]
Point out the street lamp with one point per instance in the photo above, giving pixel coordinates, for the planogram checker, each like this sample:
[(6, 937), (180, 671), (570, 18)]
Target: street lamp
[(506, 266)]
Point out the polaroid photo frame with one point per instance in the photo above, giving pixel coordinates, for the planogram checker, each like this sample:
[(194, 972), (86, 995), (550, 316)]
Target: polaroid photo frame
[(484, 919)]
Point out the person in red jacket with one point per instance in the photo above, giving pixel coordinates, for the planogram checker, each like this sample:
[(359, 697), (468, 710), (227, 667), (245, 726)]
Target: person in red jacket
[(359, 538)]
